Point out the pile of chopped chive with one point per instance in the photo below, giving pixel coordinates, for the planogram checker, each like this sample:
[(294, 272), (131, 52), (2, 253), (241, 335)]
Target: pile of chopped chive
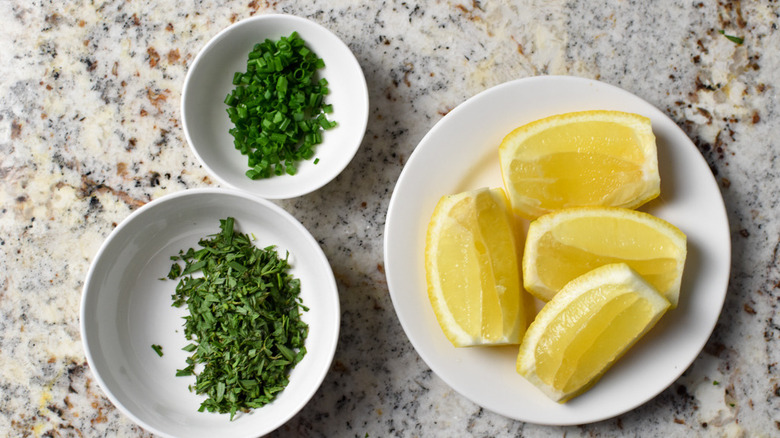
[(278, 108), (244, 320)]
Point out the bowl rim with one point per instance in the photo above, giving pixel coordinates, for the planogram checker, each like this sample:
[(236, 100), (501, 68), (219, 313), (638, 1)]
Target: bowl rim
[(87, 291), (363, 112)]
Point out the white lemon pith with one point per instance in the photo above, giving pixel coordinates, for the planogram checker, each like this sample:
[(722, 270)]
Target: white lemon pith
[(563, 245), (585, 328), (473, 271), (588, 158)]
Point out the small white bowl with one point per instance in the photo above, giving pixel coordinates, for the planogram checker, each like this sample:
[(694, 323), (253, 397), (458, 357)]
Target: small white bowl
[(126, 307), (209, 80)]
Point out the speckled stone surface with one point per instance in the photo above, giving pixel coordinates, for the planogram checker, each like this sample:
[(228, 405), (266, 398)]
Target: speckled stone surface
[(90, 131)]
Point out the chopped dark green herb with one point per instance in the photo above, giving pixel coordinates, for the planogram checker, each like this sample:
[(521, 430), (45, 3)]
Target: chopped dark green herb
[(175, 271), (277, 107), (732, 38), (244, 320), (157, 349)]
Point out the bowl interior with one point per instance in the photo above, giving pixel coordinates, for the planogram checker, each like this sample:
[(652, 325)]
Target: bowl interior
[(209, 80), (127, 307)]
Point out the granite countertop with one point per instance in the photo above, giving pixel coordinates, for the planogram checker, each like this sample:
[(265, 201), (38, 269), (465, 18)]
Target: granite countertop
[(90, 130)]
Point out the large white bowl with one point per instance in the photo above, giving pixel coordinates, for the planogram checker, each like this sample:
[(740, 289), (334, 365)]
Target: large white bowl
[(126, 308), (209, 80)]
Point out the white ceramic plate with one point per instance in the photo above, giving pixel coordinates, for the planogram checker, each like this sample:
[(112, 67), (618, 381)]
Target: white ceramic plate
[(209, 80), (461, 153), (126, 308)]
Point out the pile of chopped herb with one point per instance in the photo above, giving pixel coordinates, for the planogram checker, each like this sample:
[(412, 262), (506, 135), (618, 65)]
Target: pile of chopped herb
[(244, 320), (278, 107)]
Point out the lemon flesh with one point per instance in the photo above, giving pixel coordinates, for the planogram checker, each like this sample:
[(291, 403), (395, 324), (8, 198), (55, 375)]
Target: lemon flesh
[(586, 327), (563, 245), (473, 271), (589, 158)]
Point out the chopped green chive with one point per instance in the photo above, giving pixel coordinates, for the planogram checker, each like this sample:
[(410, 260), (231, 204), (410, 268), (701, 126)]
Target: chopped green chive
[(244, 320), (277, 107), (732, 38), (157, 349)]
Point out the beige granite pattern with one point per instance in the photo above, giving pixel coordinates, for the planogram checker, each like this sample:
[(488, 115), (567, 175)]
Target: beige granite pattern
[(90, 131)]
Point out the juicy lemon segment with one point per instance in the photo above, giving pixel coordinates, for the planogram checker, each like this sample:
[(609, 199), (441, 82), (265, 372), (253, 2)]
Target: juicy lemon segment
[(473, 271), (586, 327), (589, 158), (563, 245)]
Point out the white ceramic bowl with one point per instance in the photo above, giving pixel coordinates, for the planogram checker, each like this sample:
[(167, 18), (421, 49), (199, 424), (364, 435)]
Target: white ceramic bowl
[(209, 80), (126, 308)]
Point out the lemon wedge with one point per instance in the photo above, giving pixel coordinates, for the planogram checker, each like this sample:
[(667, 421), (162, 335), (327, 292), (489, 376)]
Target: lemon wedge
[(472, 269), (563, 245), (585, 328), (588, 158)]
